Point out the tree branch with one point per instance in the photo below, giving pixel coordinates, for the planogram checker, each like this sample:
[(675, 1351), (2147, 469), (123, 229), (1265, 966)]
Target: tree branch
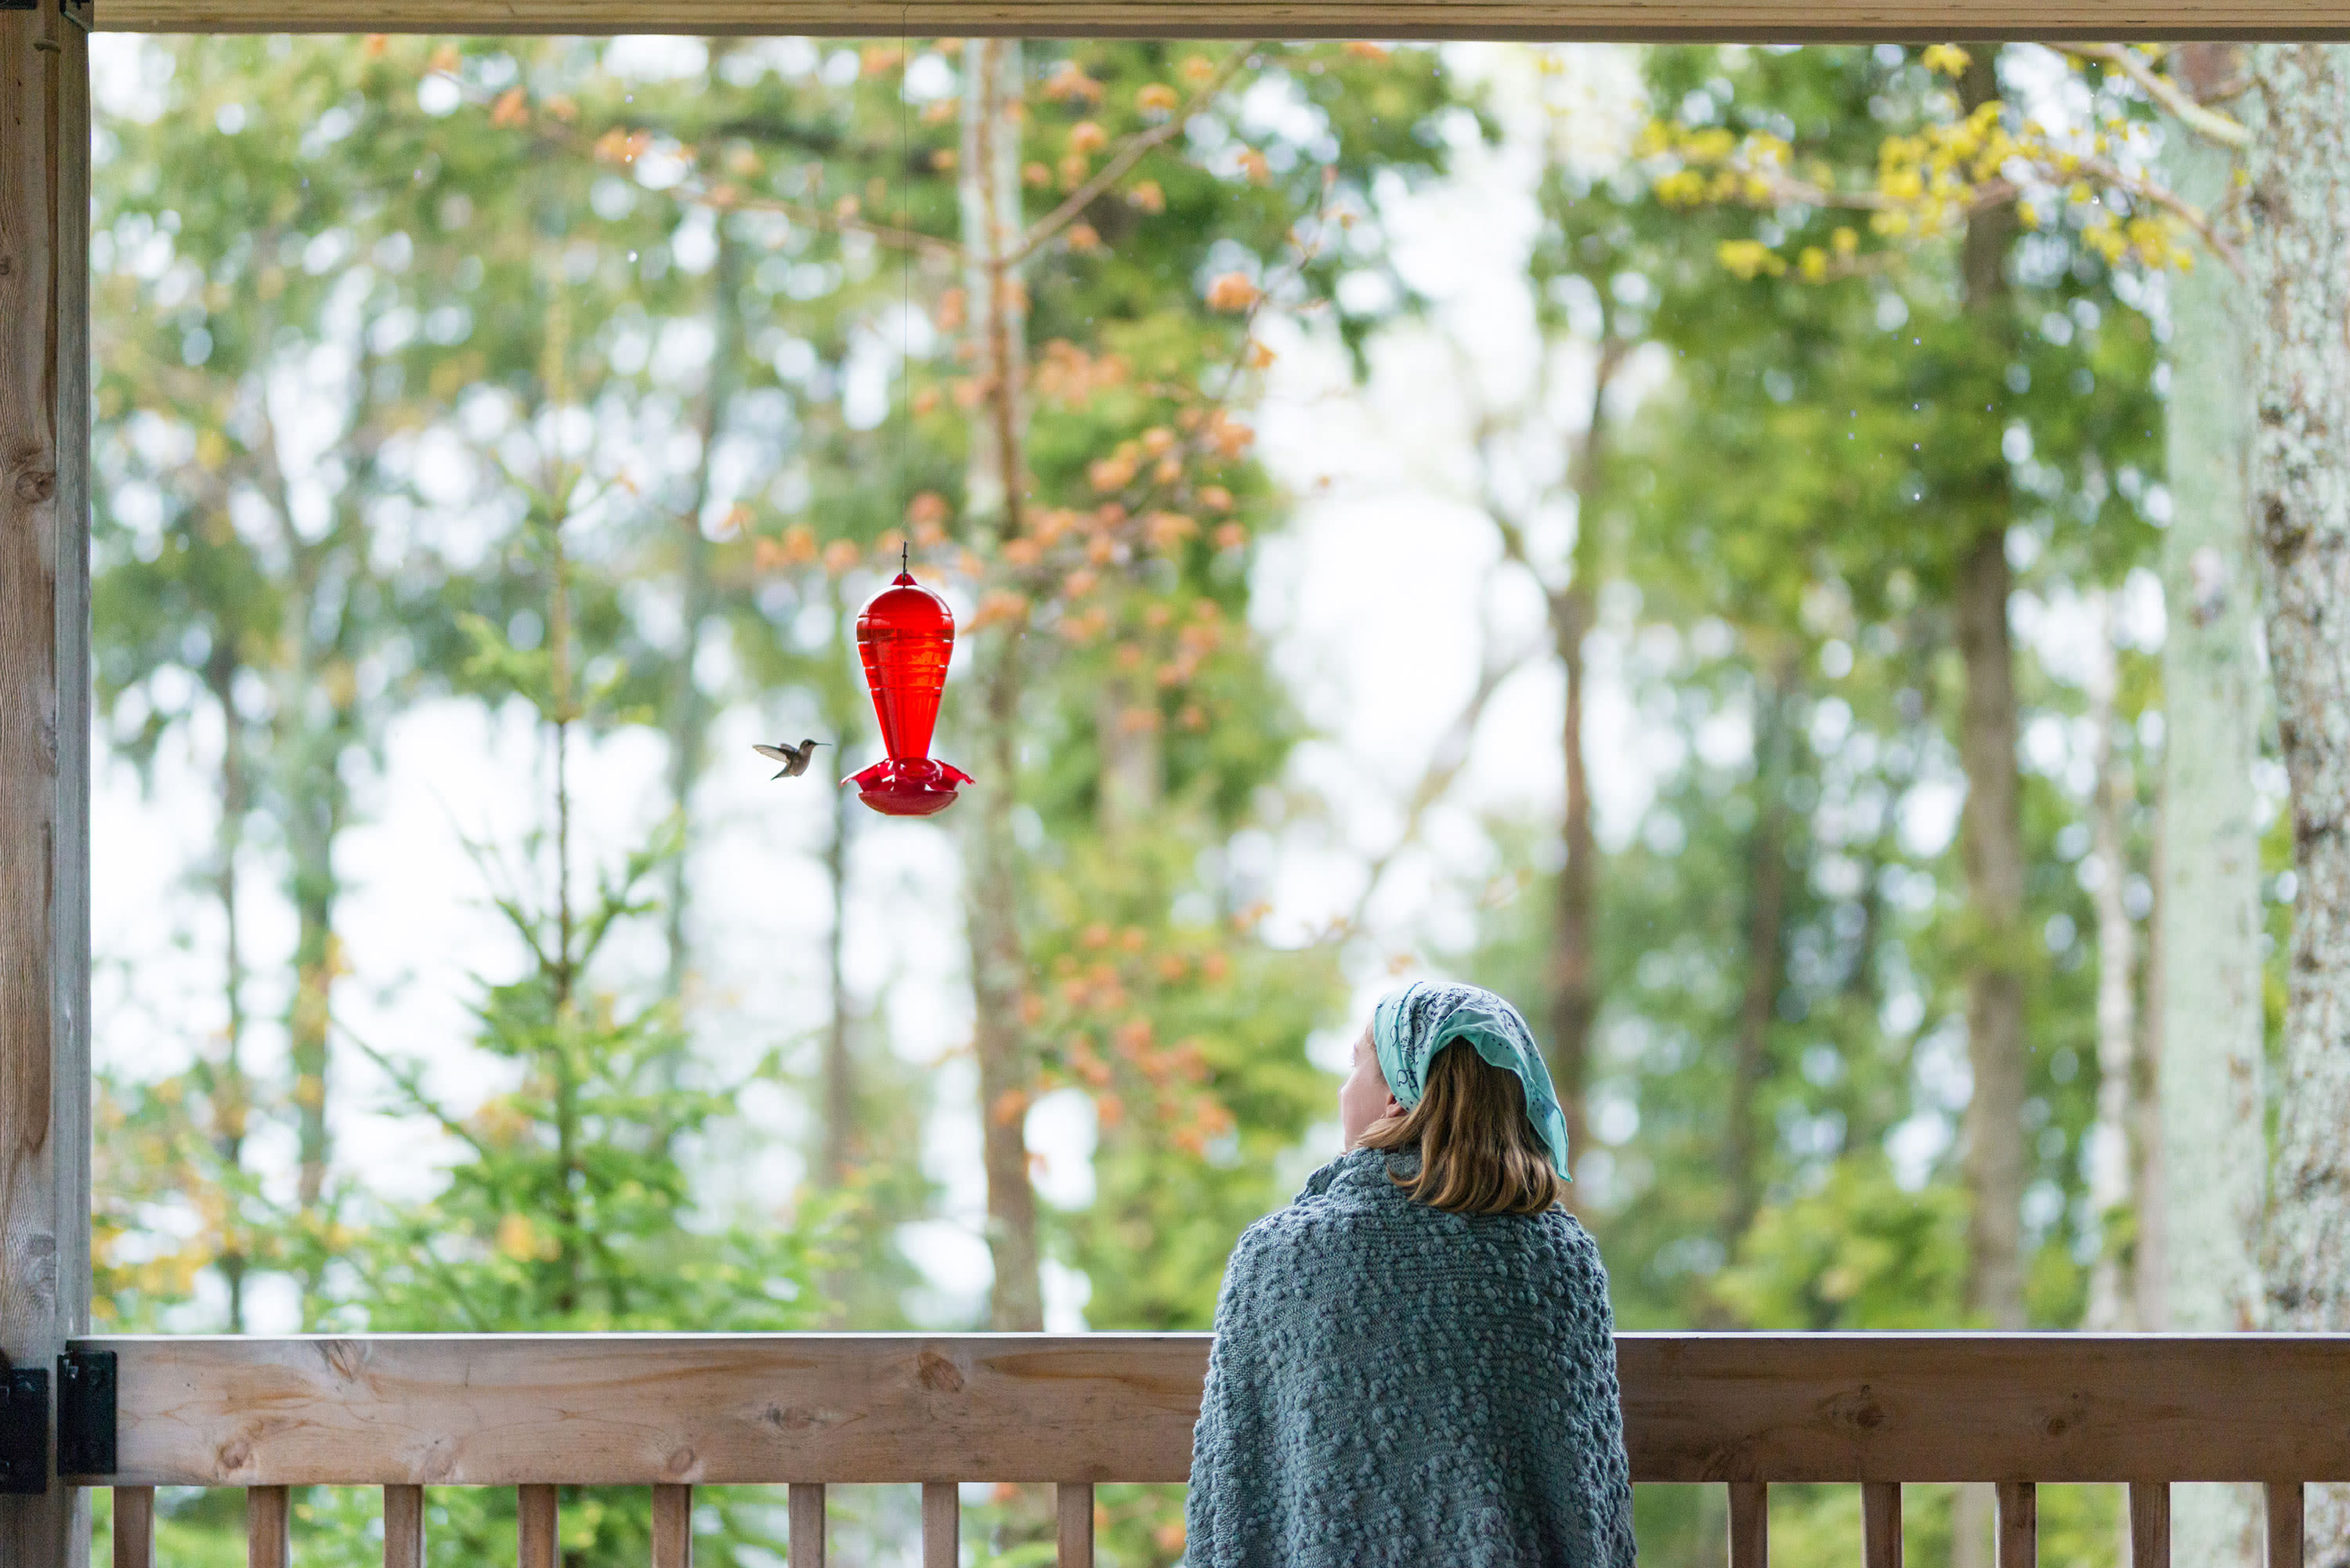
[(1126, 157), (2209, 124)]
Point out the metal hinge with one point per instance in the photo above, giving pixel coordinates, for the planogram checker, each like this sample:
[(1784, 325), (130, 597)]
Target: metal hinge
[(23, 1431), (86, 1413)]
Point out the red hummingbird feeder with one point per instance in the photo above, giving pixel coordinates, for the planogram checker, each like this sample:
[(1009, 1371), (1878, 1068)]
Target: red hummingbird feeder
[(905, 638)]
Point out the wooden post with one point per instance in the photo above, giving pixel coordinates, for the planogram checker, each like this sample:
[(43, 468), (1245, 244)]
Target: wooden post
[(2149, 1511), (537, 1526), (134, 1527), (1073, 1501), (1750, 1524), (942, 1524), (2018, 1524), (44, 724), (403, 1527), (1880, 1524), (2285, 1501), (672, 1527), (807, 1524), (268, 1526)]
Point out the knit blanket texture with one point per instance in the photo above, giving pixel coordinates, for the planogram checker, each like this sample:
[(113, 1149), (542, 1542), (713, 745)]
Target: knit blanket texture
[(1391, 1384)]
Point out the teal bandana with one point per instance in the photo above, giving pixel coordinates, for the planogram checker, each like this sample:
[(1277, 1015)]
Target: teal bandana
[(1410, 1025)]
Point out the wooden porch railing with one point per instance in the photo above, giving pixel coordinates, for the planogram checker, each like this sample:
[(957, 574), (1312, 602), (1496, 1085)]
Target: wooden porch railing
[(674, 1411)]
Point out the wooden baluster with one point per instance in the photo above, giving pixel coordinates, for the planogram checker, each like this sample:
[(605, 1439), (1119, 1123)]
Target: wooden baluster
[(134, 1527), (1750, 1524), (942, 1524), (2149, 1505), (268, 1526), (2285, 1524), (672, 1527), (534, 1526), (807, 1524), (2018, 1524), (403, 1527), (1074, 1502), (1880, 1523)]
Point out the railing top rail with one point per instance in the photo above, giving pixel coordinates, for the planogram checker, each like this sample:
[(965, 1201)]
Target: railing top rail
[(634, 1409)]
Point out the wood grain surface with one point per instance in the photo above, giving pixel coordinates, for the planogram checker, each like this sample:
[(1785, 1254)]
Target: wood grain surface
[(1750, 1524), (672, 1527), (1880, 1524), (2149, 1516), (268, 1526), (45, 1199), (403, 1527), (2285, 1524), (941, 1525), (2019, 1525), (539, 1526), (808, 1537), (701, 1410), (1073, 1504), (1754, 21), (134, 1527)]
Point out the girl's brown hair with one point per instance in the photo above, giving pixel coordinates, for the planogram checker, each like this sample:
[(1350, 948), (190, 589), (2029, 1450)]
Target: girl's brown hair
[(1478, 1152)]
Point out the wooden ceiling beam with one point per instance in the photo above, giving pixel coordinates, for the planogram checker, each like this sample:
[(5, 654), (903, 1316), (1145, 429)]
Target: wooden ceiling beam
[(1751, 21)]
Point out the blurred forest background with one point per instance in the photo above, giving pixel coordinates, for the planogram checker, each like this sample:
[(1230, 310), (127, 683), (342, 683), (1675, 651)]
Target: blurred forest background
[(1743, 550)]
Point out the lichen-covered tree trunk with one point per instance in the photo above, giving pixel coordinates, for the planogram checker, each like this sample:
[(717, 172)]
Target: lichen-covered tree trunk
[(318, 806), (1575, 924), (2111, 1299), (224, 1079), (688, 709), (2208, 1081), (1574, 967), (990, 189), (1991, 829), (2297, 246)]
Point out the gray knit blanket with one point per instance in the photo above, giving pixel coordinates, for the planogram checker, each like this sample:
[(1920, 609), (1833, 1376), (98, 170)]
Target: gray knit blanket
[(1392, 1384)]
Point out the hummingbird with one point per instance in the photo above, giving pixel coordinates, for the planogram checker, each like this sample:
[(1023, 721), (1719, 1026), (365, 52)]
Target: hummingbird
[(795, 759)]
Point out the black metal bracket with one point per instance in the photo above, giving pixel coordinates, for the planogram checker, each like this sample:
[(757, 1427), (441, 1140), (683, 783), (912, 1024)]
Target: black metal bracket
[(23, 1431), (86, 1413)]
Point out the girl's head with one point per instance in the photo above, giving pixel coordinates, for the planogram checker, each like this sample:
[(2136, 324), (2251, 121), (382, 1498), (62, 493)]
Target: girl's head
[(1451, 1073)]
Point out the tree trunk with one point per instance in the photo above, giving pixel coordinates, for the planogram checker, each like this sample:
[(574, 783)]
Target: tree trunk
[(1574, 610), (2150, 1254), (2111, 1299), (688, 711), (990, 193), (318, 720), (2298, 250), (224, 1084), (1992, 829), (2213, 1138), (1574, 970), (317, 805), (1766, 916)]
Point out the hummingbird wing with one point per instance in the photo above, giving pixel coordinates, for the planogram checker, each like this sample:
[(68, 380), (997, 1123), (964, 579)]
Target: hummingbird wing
[(779, 753)]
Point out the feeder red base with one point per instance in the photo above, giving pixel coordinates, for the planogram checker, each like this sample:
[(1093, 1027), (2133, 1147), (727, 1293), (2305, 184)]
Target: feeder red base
[(914, 786)]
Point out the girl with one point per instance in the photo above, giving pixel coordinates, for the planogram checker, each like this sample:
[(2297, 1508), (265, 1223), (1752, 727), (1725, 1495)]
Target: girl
[(1415, 1362)]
